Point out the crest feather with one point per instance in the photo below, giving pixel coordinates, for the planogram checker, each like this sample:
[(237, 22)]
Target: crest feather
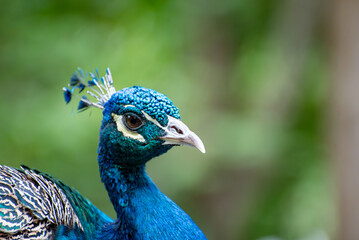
[(99, 88)]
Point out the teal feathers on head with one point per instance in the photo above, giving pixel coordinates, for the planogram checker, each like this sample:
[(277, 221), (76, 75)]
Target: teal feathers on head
[(140, 116), (155, 104)]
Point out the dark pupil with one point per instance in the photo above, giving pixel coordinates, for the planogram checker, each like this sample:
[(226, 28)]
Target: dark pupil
[(133, 121)]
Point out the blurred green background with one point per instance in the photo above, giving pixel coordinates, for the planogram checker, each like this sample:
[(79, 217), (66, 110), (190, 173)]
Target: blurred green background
[(249, 77)]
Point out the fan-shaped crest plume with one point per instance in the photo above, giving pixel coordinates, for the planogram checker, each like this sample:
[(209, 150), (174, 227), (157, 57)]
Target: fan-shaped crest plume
[(101, 89)]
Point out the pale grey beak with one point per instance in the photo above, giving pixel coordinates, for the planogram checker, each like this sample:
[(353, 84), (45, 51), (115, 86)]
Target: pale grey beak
[(177, 133)]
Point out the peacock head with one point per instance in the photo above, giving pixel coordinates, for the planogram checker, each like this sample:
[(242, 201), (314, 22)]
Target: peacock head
[(138, 123)]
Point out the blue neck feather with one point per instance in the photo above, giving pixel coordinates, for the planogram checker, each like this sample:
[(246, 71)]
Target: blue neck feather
[(143, 211)]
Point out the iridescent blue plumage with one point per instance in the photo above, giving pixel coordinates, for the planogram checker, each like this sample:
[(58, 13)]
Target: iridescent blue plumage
[(138, 124), (83, 104), (155, 104), (67, 94)]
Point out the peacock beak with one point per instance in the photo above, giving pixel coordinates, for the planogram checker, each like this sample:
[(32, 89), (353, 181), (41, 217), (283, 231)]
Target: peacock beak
[(177, 133)]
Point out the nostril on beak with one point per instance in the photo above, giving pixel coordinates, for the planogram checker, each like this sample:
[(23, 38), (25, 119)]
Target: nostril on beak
[(176, 130)]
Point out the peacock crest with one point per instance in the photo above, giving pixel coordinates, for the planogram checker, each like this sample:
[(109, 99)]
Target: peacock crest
[(100, 89)]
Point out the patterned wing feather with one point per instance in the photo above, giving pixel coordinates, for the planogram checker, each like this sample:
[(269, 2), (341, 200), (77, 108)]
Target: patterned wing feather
[(91, 218), (32, 206)]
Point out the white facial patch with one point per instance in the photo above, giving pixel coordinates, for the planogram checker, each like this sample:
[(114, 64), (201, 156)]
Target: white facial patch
[(124, 130)]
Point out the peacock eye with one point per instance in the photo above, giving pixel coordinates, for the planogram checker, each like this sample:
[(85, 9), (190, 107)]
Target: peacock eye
[(132, 121)]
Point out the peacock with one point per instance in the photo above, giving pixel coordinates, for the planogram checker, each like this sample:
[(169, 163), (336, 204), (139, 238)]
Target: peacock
[(138, 124)]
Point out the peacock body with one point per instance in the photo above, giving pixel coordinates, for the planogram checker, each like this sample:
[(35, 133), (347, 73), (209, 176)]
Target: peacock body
[(138, 124)]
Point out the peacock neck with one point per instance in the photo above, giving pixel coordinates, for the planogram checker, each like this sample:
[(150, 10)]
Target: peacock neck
[(143, 211), (121, 183)]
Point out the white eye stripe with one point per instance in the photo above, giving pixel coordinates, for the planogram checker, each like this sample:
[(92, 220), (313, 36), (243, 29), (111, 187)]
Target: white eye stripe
[(124, 130), (128, 105), (154, 121)]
